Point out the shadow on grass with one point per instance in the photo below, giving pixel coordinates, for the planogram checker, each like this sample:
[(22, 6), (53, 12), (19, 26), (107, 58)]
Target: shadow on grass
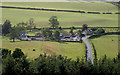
[(62, 42), (14, 41)]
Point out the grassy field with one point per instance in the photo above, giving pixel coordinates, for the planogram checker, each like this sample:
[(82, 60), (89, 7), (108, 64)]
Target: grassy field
[(69, 49), (86, 6), (66, 19), (106, 45)]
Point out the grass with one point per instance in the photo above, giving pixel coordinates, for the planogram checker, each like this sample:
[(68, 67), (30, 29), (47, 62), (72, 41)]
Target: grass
[(66, 19), (69, 49), (86, 6), (106, 45)]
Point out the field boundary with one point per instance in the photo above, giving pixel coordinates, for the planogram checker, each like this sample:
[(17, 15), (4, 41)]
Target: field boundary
[(76, 28), (59, 10), (99, 35)]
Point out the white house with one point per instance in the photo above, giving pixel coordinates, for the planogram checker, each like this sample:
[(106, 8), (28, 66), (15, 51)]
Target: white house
[(24, 37)]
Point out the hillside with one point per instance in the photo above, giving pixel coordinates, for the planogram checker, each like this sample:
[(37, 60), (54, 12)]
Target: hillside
[(85, 6)]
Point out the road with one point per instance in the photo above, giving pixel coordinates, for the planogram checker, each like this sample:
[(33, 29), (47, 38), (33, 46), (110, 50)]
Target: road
[(88, 49)]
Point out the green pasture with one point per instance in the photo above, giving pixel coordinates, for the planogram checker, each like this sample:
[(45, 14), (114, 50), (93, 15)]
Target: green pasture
[(69, 49), (85, 6), (106, 45), (66, 19)]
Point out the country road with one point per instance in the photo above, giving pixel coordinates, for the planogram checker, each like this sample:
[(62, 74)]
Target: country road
[(88, 49)]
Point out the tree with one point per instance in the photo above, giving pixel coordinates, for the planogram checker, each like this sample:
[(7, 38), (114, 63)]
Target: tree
[(81, 35), (21, 24), (99, 31), (94, 29), (54, 22), (71, 30), (6, 27), (57, 35), (5, 52), (31, 24), (17, 53), (15, 32), (8, 64), (84, 27), (47, 33)]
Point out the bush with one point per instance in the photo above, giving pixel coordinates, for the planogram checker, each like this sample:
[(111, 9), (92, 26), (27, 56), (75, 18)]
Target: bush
[(17, 53), (5, 52), (99, 31), (58, 65), (94, 29)]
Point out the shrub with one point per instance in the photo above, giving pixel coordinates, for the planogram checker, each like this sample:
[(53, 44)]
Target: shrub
[(17, 53)]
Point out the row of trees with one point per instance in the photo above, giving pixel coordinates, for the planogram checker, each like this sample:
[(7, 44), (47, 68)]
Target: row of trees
[(16, 64), (13, 32)]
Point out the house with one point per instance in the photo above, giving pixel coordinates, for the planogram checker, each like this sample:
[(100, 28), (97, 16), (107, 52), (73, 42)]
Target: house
[(65, 36), (78, 32), (24, 37), (76, 38), (69, 37)]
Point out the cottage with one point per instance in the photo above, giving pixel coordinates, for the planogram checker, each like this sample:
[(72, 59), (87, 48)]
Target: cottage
[(69, 37), (76, 38), (23, 36), (65, 36)]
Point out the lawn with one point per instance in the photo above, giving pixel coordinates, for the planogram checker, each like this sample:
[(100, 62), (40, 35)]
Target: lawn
[(106, 45), (66, 19), (69, 49)]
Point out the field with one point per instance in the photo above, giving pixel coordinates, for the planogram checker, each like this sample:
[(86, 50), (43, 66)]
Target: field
[(66, 19), (85, 6), (69, 49), (106, 45)]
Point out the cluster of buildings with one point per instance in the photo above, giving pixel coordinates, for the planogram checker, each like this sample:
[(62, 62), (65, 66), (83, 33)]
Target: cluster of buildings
[(63, 36)]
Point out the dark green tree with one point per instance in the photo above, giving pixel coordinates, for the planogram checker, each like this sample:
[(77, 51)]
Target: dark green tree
[(5, 52), (99, 31), (47, 33), (14, 33), (6, 27), (8, 64), (57, 35), (17, 53), (71, 30), (84, 27), (54, 21)]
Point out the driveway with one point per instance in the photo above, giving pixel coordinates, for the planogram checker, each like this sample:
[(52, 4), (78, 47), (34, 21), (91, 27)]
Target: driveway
[(88, 49)]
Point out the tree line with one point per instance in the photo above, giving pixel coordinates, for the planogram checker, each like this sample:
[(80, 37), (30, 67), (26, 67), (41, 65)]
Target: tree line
[(16, 63)]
